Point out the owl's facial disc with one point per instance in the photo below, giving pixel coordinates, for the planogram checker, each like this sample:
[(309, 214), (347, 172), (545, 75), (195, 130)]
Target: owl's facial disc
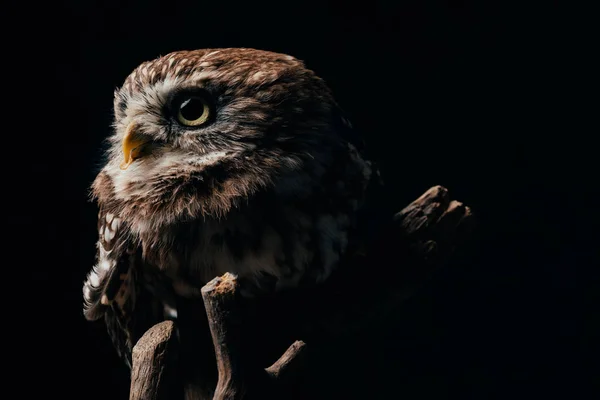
[(189, 109), (134, 145)]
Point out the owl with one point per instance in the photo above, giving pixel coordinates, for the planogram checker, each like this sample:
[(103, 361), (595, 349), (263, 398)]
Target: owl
[(221, 160)]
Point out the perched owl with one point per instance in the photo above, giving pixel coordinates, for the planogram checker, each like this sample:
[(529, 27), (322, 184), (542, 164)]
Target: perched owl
[(221, 160)]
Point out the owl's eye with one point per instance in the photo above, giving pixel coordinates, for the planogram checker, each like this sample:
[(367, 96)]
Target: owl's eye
[(193, 111)]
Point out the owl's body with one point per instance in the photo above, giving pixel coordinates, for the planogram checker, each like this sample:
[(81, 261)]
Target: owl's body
[(267, 183)]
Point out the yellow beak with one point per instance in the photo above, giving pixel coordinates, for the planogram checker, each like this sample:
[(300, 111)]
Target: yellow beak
[(133, 146)]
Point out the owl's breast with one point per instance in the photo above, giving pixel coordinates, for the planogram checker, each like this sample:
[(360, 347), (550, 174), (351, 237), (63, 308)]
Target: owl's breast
[(296, 231), (270, 248)]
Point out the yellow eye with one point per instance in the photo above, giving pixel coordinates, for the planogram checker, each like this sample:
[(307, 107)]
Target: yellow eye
[(193, 111)]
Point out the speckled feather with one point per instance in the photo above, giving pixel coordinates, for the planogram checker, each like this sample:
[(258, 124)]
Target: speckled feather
[(271, 189)]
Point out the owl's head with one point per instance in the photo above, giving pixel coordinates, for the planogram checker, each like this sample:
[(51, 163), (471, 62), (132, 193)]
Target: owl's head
[(199, 132)]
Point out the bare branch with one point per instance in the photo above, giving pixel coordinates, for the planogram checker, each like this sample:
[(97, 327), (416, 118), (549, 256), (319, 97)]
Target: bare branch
[(219, 297), (289, 362), (152, 358)]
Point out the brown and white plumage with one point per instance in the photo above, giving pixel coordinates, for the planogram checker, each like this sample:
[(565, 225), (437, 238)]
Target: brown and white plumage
[(268, 184)]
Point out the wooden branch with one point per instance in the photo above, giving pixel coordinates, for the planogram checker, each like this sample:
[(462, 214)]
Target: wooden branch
[(289, 363), (235, 381), (152, 357), (427, 232), (433, 225), (417, 241), (219, 297)]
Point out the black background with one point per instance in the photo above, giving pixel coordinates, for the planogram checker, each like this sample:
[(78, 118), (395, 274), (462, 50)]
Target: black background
[(490, 101)]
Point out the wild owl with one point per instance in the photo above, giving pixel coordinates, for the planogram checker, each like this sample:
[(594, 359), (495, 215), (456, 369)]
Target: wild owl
[(221, 160)]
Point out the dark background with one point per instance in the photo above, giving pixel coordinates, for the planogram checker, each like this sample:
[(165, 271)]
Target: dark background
[(490, 101)]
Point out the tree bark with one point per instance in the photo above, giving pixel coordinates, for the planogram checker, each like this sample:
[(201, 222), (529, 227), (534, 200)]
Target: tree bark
[(219, 297), (153, 363)]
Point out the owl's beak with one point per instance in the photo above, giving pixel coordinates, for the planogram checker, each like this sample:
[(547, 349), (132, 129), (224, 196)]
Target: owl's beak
[(133, 145)]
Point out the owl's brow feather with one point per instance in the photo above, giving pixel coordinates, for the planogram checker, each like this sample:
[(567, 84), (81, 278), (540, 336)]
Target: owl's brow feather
[(182, 64)]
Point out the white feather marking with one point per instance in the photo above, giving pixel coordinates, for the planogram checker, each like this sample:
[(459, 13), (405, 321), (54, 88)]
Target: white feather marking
[(169, 312), (211, 158), (109, 235), (204, 75), (103, 253), (94, 278), (146, 170), (212, 53), (257, 77), (109, 217), (105, 265)]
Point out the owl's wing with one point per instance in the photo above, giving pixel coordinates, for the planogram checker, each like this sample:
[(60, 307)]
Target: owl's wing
[(113, 259), (114, 288), (376, 208)]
